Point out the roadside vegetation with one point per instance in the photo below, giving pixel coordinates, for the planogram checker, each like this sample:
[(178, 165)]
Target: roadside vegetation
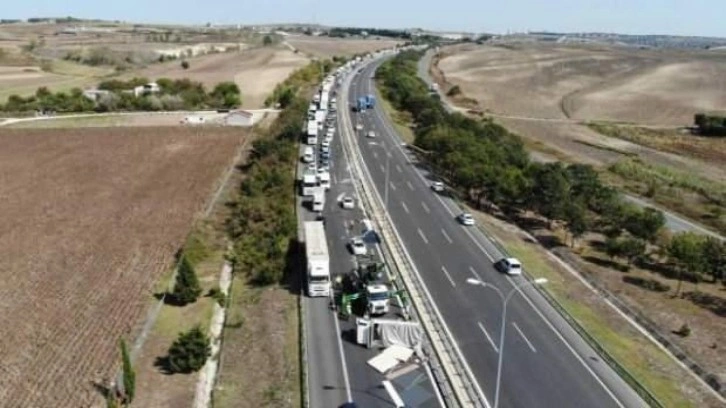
[(489, 168), (260, 361), (117, 95)]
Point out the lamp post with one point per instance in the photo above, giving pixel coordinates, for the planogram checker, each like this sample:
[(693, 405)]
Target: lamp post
[(388, 161), (505, 301)]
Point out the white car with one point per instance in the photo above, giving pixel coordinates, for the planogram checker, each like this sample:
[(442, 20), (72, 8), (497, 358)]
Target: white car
[(357, 246), (371, 133), (325, 143), (347, 203), (359, 126), (325, 149), (466, 219), (437, 186), (510, 266)]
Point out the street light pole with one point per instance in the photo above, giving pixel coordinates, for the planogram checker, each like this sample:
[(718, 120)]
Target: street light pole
[(502, 330)]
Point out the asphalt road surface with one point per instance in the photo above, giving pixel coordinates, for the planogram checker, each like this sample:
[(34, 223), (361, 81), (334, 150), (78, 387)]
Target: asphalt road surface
[(546, 363), (337, 369)]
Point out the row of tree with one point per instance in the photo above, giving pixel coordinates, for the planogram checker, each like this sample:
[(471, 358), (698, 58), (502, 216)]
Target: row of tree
[(710, 125), (174, 94), (286, 91), (491, 167)]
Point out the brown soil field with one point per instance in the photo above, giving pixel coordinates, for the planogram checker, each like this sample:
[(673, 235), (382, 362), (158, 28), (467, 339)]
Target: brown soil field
[(91, 220), (256, 71), (589, 82), (327, 47)]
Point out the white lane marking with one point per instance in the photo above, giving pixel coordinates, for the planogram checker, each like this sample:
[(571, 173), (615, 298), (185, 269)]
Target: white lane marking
[(448, 276), (383, 169), (422, 235), (375, 155), (340, 197), (473, 271), (404, 207), (524, 337), (410, 186), (425, 207), (393, 186), (342, 354), (398, 168), (483, 330), (447, 236)]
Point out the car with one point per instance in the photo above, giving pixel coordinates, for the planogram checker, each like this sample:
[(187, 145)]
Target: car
[(324, 162), (359, 126), (371, 133), (325, 143), (325, 149), (510, 266), (437, 186), (357, 246), (347, 203), (466, 219)]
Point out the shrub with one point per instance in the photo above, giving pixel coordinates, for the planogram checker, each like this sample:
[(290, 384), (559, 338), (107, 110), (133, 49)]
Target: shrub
[(454, 91), (186, 288), (189, 352), (684, 331), (649, 284), (185, 64)]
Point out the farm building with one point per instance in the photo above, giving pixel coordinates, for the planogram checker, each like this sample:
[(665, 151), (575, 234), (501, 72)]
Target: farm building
[(239, 118)]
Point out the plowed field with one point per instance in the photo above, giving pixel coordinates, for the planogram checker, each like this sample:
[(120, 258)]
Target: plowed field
[(89, 221)]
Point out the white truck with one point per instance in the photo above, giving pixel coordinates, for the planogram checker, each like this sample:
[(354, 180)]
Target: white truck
[(311, 137), (318, 260), (320, 116), (324, 180), (323, 105), (378, 297), (308, 184)]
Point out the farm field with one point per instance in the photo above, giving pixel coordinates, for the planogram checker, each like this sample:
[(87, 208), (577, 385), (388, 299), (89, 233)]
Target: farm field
[(327, 47), (256, 71), (91, 221)]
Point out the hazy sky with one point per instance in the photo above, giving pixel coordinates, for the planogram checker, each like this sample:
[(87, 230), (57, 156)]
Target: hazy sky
[(684, 17)]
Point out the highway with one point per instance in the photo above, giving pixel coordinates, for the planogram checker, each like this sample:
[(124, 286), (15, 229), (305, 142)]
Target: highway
[(337, 369), (546, 363), (674, 222)]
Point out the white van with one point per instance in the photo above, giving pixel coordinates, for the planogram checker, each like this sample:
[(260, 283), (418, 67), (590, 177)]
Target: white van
[(324, 179), (318, 200), (308, 155)]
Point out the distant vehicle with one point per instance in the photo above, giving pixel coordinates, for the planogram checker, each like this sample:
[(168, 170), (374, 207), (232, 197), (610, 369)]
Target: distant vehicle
[(510, 266), (308, 155), (319, 200), (359, 126), (324, 179), (316, 252), (437, 186), (325, 143), (362, 104), (324, 161), (347, 203), (466, 219), (325, 149), (371, 134), (370, 101), (357, 246)]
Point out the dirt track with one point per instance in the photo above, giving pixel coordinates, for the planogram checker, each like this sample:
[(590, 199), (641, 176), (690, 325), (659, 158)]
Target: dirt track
[(91, 219)]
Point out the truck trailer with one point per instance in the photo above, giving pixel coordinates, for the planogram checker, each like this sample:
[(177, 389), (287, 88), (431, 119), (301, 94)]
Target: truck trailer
[(318, 260)]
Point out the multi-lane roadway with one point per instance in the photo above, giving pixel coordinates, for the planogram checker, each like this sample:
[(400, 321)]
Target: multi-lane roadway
[(546, 364)]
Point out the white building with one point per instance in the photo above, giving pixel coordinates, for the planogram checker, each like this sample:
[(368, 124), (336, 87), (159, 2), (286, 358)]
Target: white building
[(239, 118)]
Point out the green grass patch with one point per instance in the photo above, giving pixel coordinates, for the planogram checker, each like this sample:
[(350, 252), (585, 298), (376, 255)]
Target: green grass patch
[(402, 121), (636, 354)]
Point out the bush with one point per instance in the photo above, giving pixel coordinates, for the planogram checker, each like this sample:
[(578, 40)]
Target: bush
[(217, 294), (454, 91), (649, 284), (684, 331), (185, 64), (189, 352), (186, 289)]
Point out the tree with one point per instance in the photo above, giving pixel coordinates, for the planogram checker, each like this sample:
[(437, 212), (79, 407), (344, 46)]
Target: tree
[(185, 64), (685, 250), (714, 258), (226, 94), (550, 190), (631, 248), (189, 351), (576, 219), (645, 223), (267, 41), (129, 375), (186, 288)]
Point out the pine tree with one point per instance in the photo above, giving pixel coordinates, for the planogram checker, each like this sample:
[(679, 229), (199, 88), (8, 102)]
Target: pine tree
[(186, 288), (189, 352), (129, 375)]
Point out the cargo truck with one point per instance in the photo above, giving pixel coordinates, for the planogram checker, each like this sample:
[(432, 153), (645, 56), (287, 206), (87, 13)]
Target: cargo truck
[(362, 103), (318, 260), (311, 137), (309, 183), (370, 101)]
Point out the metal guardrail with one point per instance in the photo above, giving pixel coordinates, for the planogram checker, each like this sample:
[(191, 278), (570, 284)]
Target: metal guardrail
[(432, 322)]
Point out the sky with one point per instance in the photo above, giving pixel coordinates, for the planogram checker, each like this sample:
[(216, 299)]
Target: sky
[(675, 17)]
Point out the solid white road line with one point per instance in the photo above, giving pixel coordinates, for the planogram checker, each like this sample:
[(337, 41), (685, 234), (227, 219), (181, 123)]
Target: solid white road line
[(473, 271), (375, 155), (524, 337), (422, 236), (483, 330), (342, 354), (425, 207), (398, 168), (410, 186), (447, 236), (383, 169), (393, 186), (448, 276), (404, 207)]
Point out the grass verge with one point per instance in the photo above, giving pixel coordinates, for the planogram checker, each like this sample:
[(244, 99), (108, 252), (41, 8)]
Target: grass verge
[(402, 121)]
